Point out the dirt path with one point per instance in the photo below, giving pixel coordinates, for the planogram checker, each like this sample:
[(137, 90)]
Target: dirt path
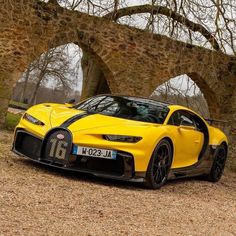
[(35, 200)]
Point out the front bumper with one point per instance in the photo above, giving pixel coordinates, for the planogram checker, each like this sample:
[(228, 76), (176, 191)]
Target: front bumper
[(27, 145)]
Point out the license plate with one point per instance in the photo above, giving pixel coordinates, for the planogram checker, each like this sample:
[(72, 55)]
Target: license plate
[(94, 152)]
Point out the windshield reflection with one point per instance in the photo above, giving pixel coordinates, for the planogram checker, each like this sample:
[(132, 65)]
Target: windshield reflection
[(131, 108)]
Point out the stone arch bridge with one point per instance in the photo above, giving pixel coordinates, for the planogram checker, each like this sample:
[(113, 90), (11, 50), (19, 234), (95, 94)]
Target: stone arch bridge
[(133, 61)]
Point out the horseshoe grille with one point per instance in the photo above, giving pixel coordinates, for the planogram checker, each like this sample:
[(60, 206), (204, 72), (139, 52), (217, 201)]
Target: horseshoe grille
[(58, 146)]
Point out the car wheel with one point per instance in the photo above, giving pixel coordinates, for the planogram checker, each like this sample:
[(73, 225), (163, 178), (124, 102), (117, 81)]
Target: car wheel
[(218, 165), (159, 165)]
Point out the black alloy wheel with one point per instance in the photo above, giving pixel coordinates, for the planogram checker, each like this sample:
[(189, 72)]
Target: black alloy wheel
[(218, 165), (159, 165)]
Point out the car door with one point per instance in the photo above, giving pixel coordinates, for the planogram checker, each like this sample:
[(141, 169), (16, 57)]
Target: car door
[(188, 141)]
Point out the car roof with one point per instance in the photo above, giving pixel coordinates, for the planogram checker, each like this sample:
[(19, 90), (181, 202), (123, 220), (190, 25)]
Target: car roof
[(171, 106), (162, 103)]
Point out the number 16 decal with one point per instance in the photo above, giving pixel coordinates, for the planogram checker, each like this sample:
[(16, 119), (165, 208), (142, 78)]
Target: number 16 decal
[(58, 149)]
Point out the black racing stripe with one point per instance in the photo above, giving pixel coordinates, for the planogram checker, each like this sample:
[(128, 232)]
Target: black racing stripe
[(73, 119)]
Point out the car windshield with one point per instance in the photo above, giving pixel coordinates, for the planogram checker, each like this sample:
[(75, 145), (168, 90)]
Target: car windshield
[(131, 108)]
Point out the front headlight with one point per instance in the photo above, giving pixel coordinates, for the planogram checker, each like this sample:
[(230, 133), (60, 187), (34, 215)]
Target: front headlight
[(122, 138), (32, 119)]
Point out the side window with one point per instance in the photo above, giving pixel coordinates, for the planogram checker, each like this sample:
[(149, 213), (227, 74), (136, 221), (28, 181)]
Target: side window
[(175, 119), (199, 124), (181, 118), (186, 119)]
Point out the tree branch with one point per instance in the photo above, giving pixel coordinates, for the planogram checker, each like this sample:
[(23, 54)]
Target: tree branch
[(53, 2), (128, 11)]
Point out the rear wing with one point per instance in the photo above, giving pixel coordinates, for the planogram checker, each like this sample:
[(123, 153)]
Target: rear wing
[(221, 124), (212, 121)]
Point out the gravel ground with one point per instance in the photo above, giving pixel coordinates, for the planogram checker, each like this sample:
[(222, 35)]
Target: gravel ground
[(35, 200)]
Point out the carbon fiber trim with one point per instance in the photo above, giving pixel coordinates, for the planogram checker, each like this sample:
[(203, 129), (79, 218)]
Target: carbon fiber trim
[(203, 166), (73, 119), (123, 168), (27, 145)]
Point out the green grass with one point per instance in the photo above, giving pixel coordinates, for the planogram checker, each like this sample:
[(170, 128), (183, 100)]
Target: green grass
[(12, 120), (18, 105)]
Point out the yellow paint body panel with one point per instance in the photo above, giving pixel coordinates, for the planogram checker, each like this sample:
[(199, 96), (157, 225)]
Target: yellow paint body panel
[(89, 131)]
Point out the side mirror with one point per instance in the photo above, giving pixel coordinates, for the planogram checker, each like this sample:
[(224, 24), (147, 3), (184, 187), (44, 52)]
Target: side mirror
[(72, 101)]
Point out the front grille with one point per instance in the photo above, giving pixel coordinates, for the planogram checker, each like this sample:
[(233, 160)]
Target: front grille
[(123, 163), (28, 145), (101, 165), (56, 149), (57, 146)]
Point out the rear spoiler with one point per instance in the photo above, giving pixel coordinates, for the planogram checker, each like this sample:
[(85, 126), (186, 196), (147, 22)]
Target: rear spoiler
[(211, 121)]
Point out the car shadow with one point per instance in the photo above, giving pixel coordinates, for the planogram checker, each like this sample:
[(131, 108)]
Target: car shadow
[(77, 176), (86, 177)]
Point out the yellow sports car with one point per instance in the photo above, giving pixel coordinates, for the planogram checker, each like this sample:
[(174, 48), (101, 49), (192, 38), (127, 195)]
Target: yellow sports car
[(123, 137)]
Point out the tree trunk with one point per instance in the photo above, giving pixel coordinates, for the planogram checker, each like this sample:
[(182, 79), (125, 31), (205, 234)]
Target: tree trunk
[(22, 99), (33, 97), (94, 81)]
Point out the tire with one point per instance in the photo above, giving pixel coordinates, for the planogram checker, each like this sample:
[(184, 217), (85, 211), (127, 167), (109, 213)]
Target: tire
[(159, 165), (218, 165)]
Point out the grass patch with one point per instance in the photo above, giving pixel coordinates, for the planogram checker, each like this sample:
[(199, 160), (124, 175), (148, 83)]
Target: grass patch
[(18, 105), (12, 120)]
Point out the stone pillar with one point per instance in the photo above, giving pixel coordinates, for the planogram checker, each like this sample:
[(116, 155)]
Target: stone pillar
[(5, 92), (3, 110), (94, 81), (228, 113), (230, 131), (6, 87)]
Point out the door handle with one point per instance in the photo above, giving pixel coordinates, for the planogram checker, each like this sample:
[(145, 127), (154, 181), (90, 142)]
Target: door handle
[(197, 141)]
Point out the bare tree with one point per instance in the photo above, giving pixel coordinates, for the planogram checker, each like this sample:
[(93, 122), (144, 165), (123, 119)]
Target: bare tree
[(58, 68), (182, 90), (207, 23)]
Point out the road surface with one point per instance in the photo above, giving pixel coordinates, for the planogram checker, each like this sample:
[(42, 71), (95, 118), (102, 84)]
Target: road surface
[(35, 200)]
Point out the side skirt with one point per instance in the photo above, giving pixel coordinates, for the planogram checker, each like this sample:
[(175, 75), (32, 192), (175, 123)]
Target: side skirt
[(202, 167)]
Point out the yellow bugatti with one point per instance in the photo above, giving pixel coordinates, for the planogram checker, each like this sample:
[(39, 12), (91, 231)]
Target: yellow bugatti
[(123, 137)]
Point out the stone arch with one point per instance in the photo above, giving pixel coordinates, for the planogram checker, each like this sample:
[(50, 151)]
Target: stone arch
[(96, 56), (207, 82), (209, 95), (93, 50), (133, 60)]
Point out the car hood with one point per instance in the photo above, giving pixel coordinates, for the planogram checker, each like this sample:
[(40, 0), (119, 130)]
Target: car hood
[(55, 115)]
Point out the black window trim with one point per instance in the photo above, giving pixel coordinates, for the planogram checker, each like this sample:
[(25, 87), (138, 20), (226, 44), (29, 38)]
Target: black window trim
[(187, 112)]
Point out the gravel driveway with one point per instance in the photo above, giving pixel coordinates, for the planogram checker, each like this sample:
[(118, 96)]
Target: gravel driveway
[(35, 200)]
